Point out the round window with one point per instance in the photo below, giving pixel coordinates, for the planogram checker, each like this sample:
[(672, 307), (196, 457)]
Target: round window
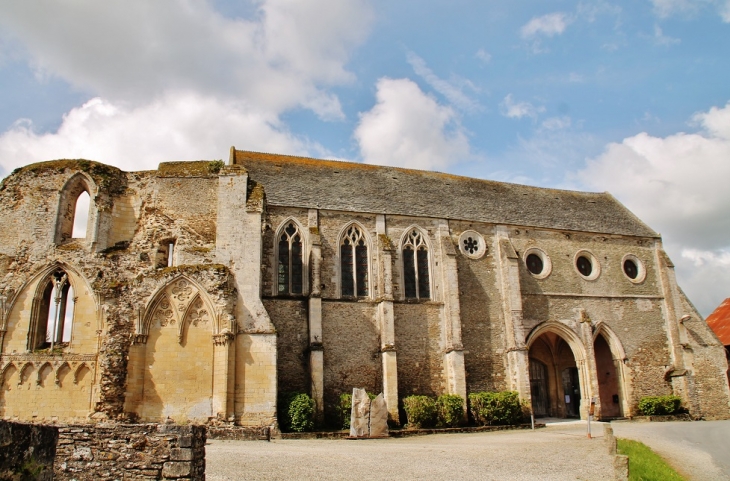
[(634, 268), (584, 266), (472, 244), (587, 265), (537, 262)]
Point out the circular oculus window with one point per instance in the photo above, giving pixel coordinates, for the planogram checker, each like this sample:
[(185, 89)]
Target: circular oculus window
[(538, 263), (587, 265), (633, 268), (472, 245)]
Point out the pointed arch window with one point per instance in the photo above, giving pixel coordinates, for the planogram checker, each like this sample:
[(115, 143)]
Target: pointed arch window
[(354, 263), (290, 265), (416, 280), (55, 313)]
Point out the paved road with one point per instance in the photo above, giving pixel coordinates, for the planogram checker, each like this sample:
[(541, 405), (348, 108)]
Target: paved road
[(699, 450), (558, 452)]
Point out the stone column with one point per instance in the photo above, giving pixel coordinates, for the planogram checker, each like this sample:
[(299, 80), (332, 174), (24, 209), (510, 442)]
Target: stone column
[(589, 367), (454, 368), (386, 321), (671, 308), (518, 363), (222, 402), (316, 352)]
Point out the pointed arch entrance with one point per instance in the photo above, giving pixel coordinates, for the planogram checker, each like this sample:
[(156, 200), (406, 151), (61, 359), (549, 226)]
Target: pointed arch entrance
[(612, 387), (557, 380)]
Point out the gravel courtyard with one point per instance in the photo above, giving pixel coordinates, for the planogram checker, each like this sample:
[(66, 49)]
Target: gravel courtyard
[(557, 452)]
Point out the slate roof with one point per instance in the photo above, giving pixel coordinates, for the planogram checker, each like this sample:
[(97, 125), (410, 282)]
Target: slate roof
[(719, 321), (348, 186)]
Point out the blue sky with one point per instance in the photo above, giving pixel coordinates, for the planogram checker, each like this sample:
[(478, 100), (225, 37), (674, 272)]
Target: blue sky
[(626, 97)]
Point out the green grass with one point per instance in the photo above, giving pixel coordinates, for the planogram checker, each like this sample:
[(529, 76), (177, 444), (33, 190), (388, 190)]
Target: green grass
[(645, 464)]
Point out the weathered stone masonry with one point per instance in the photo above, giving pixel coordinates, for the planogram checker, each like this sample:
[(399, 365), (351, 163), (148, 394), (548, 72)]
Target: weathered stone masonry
[(183, 302)]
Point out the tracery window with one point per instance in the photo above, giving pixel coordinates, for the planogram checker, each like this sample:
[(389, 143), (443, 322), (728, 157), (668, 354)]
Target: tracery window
[(54, 318), (354, 263), (289, 264), (415, 266)]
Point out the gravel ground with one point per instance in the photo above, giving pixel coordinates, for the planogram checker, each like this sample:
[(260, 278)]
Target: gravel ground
[(557, 452), (697, 450)]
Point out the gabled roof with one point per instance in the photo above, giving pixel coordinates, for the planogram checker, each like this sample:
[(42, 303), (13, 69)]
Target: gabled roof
[(719, 321), (348, 186)]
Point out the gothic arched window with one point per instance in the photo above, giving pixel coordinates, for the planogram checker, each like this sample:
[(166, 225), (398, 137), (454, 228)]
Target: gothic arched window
[(289, 264), (354, 263), (75, 210), (415, 266), (53, 319)]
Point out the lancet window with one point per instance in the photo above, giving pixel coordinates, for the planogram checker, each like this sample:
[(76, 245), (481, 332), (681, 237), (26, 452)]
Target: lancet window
[(354, 263), (290, 264), (416, 280), (54, 317)]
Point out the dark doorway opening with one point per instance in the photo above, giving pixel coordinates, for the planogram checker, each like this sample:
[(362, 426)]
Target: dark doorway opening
[(554, 377), (609, 388)]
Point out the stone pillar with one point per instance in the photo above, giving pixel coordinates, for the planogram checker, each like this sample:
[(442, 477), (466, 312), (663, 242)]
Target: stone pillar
[(238, 246), (518, 363), (454, 368), (590, 390), (221, 374), (671, 308), (316, 352), (386, 321)]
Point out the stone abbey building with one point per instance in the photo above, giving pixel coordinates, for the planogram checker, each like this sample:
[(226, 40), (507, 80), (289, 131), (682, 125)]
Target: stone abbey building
[(201, 290)]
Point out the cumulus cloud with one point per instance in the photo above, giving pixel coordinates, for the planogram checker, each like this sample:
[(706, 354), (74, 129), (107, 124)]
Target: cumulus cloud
[(516, 110), (408, 128), (666, 8), (678, 185), (181, 126), (283, 57), (548, 25)]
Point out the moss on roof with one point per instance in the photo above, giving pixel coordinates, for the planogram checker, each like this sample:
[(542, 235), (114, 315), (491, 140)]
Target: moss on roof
[(196, 168), (107, 177), (349, 186)]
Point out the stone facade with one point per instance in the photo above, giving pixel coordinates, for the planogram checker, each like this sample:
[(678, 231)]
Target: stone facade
[(202, 290)]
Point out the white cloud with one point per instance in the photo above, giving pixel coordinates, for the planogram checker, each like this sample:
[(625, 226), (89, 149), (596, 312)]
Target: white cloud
[(517, 110), (667, 8), (548, 25), (181, 126), (678, 185), (453, 93), (556, 123), (664, 40), (483, 55), (408, 128), (282, 58)]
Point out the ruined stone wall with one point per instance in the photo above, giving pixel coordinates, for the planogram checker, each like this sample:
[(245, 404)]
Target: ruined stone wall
[(27, 451), (292, 343), (136, 451), (420, 356)]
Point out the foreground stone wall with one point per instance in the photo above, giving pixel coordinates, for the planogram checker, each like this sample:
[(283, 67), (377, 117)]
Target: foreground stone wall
[(27, 450), (131, 451)]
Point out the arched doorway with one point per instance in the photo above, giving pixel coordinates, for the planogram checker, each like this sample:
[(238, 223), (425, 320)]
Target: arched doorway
[(609, 374), (555, 377)]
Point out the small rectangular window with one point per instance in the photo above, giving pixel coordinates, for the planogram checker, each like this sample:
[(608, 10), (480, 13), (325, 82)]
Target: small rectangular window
[(170, 251)]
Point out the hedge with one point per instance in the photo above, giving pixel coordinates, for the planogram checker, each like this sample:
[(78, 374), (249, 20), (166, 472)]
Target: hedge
[(659, 405), (488, 408), (296, 412)]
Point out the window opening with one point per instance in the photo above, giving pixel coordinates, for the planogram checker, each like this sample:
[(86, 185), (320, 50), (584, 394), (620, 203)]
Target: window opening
[(290, 265), (471, 245), (170, 251), (631, 269), (534, 264), (354, 274), (59, 317), (584, 266), (81, 216), (165, 256), (415, 267)]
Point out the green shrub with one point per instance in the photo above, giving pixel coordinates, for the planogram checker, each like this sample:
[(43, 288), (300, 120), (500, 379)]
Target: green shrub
[(345, 409), (489, 408), (420, 411), (449, 410), (659, 405), (296, 412)]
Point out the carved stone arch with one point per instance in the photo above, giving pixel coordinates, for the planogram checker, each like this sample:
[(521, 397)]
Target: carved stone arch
[(5, 369), (617, 349), (338, 255), (74, 186), (144, 322), (78, 371), (39, 375), (200, 310), (21, 372), (306, 251), (57, 374), (46, 271), (429, 247), (562, 330)]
